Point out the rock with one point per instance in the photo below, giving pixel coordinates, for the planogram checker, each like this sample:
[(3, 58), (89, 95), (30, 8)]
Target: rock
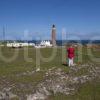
[(38, 69), (7, 96), (36, 96), (57, 81)]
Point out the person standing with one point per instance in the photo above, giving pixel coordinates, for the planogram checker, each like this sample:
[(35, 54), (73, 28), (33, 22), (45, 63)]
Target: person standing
[(71, 55)]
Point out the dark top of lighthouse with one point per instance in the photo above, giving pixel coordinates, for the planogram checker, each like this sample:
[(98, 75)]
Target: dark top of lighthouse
[(53, 26)]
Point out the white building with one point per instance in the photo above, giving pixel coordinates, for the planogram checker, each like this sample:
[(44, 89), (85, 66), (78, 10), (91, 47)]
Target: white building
[(44, 44), (17, 45)]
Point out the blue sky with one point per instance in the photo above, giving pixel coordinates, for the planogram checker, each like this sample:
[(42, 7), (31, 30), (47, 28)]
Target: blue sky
[(34, 18)]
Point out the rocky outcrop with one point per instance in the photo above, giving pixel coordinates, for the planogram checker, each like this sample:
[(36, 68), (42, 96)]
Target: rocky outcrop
[(58, 81), (6, 94)]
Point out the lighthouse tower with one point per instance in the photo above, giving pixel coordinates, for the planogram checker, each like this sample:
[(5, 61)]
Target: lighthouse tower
[(53, 35)]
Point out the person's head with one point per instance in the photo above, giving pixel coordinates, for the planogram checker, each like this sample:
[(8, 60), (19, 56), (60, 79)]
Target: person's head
[(71, 45)]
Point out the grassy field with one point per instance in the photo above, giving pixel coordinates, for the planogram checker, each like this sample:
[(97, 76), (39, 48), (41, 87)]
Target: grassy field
[(10, 70)]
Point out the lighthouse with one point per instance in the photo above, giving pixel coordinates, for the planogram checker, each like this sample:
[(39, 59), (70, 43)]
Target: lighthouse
[(53, 36)]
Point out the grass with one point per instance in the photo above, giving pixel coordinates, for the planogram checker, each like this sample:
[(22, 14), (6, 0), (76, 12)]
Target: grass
[(8, 70)]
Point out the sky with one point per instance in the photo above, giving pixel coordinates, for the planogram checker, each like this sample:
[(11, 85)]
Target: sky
[(33, 19)]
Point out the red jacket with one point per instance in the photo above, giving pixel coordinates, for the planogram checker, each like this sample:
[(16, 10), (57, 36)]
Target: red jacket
[(70, 53)]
